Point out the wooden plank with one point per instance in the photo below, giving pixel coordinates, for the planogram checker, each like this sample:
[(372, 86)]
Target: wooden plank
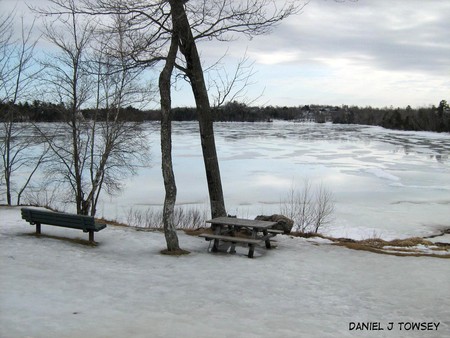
[(231, 239), (241, 222), (275, 231), (60, 217), (43, 213)]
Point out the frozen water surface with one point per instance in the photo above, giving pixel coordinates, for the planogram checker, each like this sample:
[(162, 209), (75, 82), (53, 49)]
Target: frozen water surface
[(386, 183)]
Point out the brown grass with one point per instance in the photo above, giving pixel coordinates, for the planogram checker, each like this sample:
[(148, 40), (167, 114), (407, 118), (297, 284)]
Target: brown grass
[(196, 232), (110, 222), (392, 251), (396, 247)]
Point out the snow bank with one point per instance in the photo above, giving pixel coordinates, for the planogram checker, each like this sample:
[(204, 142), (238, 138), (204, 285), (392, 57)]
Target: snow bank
[(124, 288)]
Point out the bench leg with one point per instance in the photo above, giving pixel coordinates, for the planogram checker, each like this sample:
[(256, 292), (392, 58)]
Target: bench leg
[(265, 233), (91, 236), (251, 250), (38, 228), (233, 244), (215, 247), (233, 248), (217, 229)]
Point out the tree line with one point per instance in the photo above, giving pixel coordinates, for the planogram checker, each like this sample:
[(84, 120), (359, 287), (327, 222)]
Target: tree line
[(432, 118)]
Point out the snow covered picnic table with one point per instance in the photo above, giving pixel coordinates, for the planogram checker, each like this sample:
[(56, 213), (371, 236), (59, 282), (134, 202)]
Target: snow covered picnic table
[(225, 229)]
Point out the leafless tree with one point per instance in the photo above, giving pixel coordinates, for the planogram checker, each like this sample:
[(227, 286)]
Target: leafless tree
[(229, 86), (69, 82), (310, 208), (324, 209), (166, 148), (103, 147), (197, 20), (116, 146), (18, 70)]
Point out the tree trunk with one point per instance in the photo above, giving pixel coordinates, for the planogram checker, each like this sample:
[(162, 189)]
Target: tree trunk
[(166, 149), (8, 187), (195, 73), (7, 158)]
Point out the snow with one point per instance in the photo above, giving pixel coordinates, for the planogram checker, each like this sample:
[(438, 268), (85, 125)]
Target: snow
[(51, 287), (380, 173), (442, 239)]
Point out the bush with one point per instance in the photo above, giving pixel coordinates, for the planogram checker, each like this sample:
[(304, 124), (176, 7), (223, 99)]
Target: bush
[(184, 217), (309, 208)]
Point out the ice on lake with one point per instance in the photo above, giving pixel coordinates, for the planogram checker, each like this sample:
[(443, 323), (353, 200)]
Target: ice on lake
[(391, 184)]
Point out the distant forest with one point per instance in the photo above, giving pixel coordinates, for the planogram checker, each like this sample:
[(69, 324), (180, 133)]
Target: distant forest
[(434, 118)]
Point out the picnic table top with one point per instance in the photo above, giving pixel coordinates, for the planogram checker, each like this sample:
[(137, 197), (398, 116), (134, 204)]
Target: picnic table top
[(241, 222)]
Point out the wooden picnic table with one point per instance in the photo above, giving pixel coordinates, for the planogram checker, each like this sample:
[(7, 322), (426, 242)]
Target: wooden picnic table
[(226, 228)]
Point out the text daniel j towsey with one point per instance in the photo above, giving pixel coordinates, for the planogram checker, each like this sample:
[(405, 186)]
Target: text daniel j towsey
[(402, 326)]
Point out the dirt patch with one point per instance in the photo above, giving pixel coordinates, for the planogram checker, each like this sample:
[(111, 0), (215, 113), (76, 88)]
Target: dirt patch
[(178, 252)]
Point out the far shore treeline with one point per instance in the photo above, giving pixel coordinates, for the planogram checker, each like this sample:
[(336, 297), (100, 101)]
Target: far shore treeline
[(432, 118)]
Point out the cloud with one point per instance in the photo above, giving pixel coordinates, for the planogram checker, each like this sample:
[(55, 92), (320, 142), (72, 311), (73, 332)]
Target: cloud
[(391, 35), (275, 57), (377, 52), (365, 52)]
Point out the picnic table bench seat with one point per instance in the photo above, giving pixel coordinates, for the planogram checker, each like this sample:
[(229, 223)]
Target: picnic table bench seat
[(233, 239), (252, 242), (73, 221), (275, 231)]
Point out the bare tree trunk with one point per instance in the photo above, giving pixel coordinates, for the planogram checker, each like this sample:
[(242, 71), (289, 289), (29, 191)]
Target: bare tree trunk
[(6, 154), (166, 148), (195, 73), (79, 189)]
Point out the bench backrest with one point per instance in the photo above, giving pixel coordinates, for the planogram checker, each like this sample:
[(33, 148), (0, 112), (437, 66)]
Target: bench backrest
[(58, 218)]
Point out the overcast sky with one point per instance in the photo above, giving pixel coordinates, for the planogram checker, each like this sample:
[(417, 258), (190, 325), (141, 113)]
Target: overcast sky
[(365, 52)]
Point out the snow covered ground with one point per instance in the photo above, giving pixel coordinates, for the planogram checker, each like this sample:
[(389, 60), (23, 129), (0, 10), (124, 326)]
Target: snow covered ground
[(123, 287)]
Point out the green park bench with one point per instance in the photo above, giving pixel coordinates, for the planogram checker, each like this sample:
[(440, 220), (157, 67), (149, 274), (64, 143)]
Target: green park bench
[(85, 223)]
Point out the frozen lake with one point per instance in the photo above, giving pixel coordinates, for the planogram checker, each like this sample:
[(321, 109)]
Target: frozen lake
[(386, 183)]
